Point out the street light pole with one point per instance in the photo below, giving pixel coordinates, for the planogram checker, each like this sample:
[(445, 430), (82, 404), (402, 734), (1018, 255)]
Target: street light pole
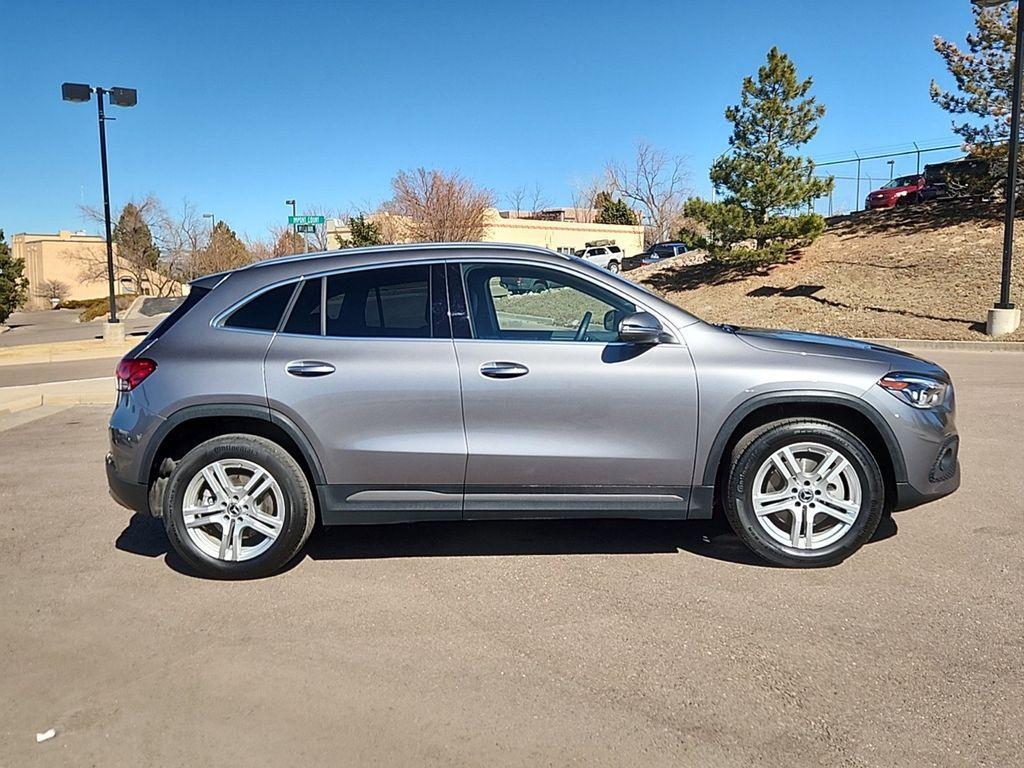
[(1011, 176), (1004, 317), (106, 204), (119, 97)]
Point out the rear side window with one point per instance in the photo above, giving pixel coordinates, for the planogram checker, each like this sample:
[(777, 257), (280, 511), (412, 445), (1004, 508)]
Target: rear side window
[(263, 312), (305, 316), (390, 302), (179, 312)]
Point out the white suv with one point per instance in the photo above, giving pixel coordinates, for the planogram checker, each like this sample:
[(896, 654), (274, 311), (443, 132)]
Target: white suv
[(607, 256)]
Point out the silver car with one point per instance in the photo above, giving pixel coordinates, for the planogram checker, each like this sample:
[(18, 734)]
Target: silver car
[(406, 383)]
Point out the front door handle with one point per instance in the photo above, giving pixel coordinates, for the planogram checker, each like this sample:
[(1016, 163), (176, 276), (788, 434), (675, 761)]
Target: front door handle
[(503, 370), (309, 368)]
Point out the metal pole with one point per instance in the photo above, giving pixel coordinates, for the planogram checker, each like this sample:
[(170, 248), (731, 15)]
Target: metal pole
[(106, 205), (1011, 172), (918, 156), (856, 203)]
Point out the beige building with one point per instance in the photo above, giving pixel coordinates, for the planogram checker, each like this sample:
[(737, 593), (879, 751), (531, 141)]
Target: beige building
[(556, 232), (69, 258)]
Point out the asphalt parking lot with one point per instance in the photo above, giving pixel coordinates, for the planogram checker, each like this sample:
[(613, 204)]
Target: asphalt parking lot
[(539, 643)]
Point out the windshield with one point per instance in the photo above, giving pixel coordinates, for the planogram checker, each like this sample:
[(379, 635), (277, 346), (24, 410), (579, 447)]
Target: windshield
[(902, 181)]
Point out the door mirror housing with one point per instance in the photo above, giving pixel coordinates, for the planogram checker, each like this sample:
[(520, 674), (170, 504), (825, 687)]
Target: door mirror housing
[(640, 328)]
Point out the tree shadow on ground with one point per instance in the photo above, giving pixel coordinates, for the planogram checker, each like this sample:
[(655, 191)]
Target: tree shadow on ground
[(145, 536), (688, 277), (810, 291)]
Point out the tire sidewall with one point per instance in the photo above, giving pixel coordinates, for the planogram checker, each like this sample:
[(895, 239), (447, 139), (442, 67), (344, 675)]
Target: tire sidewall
[(740, 509), (297, 506)]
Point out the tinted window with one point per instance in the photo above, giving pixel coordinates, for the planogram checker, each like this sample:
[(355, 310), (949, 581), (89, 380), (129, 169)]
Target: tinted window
[(305, 316), (553, 306), (392, 302), (262, 313)]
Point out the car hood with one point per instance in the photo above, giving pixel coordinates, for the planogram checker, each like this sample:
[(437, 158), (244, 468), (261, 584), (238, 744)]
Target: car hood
[(803, 343)]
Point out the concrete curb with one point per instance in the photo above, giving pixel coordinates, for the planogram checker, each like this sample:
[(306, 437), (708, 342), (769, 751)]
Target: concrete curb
[(100, 391), (961, 346)]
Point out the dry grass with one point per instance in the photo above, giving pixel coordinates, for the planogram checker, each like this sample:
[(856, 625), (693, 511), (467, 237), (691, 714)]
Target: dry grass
[(928, 272)]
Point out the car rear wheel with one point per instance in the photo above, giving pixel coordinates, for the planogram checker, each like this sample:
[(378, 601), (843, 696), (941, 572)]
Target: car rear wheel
[(613, 267), (803, 492), (238, 506)]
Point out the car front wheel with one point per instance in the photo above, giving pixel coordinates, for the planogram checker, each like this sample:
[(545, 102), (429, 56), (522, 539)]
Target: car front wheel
[(804, 492), (238, 506)]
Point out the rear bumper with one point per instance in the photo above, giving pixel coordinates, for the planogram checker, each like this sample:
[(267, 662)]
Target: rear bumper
[(127, 493)]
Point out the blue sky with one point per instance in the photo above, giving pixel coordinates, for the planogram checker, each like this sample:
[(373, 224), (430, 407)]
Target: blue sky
[(242, 105)]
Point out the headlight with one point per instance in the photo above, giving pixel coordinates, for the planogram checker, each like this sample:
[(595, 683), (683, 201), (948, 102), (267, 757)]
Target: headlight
[(915, 389)]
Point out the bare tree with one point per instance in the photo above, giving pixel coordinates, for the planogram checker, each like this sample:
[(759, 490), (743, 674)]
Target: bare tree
[(439, 207), (515, 199), (137, 266), (537, 200), (55, 291), (286, 241), (584, 199), (657, 183)]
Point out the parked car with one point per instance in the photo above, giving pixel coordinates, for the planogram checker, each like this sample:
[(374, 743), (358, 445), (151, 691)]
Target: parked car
[(392, 384), (657, 252), (517, 284), (607, 256), (904, 191)]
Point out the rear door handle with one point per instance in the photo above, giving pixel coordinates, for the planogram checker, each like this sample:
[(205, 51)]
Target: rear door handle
[(309, 368), (503, 370)]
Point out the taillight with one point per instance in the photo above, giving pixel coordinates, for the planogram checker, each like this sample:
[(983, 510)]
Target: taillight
[(131, 373)]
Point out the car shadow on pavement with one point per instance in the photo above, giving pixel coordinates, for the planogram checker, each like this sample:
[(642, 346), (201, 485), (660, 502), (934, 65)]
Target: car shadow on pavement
[(145, 536)]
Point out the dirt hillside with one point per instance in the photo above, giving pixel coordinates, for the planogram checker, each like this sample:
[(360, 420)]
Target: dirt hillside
[(928, 272)]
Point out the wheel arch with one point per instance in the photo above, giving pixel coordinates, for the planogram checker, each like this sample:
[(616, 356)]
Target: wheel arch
[(190, 426), (845, 410)]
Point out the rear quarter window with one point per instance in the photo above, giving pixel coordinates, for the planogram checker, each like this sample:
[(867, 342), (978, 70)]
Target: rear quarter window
[(262, 312)]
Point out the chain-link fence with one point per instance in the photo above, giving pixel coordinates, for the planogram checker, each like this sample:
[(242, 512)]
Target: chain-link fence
[(859, 173)]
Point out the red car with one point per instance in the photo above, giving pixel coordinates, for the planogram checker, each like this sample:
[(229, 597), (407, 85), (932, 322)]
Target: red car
[(905, 189)]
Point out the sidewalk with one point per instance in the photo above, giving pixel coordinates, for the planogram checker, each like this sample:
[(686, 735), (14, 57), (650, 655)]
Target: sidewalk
[(101, 391), (63, 351)]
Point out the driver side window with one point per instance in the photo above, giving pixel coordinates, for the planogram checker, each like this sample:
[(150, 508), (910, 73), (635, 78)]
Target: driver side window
[(528, 303)]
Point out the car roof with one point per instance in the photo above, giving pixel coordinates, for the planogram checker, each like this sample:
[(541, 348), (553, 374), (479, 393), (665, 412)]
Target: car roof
[(324, 261)]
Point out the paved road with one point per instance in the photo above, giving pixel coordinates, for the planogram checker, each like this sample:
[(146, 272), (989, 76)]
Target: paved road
[(540, 643), (37, 373), (46, 327)]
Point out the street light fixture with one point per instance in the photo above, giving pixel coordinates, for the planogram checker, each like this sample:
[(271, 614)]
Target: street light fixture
[(213, 220), (119, 97), (1005, 317)]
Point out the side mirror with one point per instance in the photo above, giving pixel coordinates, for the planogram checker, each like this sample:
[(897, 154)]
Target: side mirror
[(612, 318), (640, 328)]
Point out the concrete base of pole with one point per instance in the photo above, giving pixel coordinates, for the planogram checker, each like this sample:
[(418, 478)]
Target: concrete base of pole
[(113, 333), (1002, 321)]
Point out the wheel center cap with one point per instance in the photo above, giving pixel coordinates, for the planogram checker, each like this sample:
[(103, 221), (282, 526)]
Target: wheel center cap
[(806, 495), (234, 510)]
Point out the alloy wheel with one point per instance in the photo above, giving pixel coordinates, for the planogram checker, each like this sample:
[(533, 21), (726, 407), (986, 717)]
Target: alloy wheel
[(807, 495), (233, 510)]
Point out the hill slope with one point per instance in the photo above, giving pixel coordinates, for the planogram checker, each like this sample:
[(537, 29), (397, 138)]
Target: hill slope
[(927, 272)]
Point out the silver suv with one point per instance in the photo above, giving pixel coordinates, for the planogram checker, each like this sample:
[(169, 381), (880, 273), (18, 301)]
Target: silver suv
[(407, 383)]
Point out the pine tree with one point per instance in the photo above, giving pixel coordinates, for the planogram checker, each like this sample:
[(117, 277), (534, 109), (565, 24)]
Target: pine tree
[(762, 182), (615, 212), (364, 233), (134, 240), (13, 283), (984, 80), (225, 251)]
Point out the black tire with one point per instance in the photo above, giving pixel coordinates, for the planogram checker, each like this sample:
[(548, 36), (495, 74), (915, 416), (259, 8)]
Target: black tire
[(540, 286), (613, 267), (753, 450), (299, 507)]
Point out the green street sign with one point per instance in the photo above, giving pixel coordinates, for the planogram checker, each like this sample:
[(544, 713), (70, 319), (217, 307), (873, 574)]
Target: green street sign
[(305, 219)]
